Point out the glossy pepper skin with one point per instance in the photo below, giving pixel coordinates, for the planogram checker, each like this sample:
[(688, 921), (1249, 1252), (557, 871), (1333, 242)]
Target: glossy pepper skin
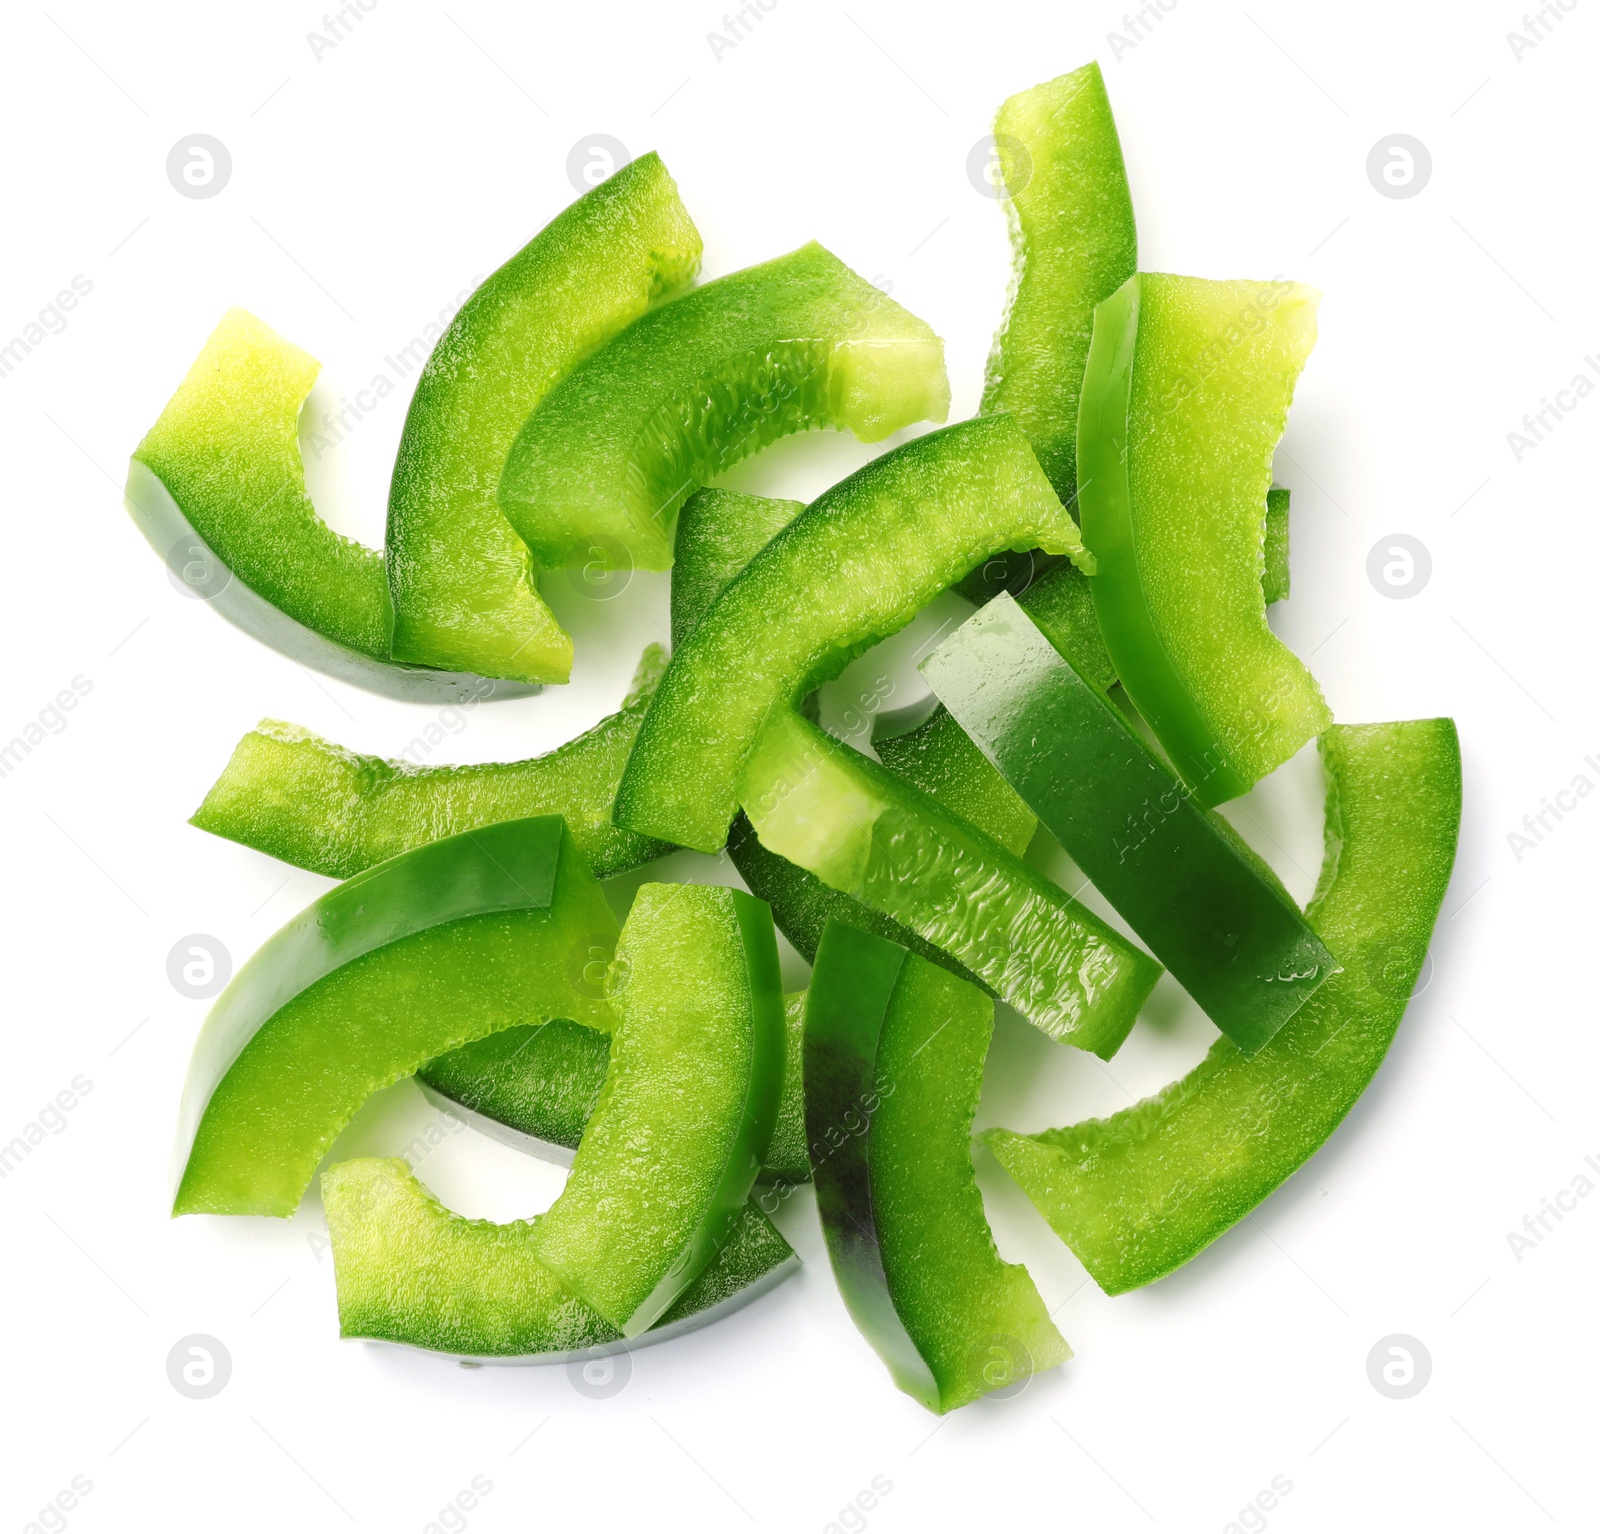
[(895, 849), (410, 1271), (1074, 244), (1192, 892), (688, 1106), (218, 489), (854, 567), (893, 1065), (600, 468), (1140, 1193), (461, 581), (1185, 395), (318, 805), (404, 962)]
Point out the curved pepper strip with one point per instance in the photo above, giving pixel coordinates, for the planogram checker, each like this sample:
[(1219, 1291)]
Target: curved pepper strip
[(535, 1088), (600, 468), (854, 567), (1192, 892), (296, 796), (218, 489), (896, 850), (894, 1052), (404, 962), (410, 1271), (1184, 399), (1140, 1193), (1074, 244), (718, 534), (460, 578), (687, 1111)]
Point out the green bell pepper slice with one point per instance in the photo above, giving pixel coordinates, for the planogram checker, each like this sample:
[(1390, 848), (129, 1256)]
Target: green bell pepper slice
[(894, 1052), (1275, 547), (536, 1087), (940, 759), (861, 830), (409, 1271), (1074, 244), (461, 580), (600, 468), (298, 797), (1202, 902), (688, 1106), (396, 966), (1185, 395), (1140, 1193), (218, 490), (854, 567), (718, 533)]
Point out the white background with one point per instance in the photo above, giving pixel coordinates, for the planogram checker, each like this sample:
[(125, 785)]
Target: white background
[(371, 185)]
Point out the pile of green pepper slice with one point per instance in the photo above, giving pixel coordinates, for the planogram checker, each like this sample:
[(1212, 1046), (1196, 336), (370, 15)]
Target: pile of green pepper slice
[(1109, 512)]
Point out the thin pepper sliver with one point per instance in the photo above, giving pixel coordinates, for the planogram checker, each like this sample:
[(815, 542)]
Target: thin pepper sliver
[(1140, 1193)]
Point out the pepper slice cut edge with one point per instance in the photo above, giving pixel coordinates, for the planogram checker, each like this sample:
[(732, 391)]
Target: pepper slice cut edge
[(410, 1271), (295, 796), (600, 468), (1138, 1194)]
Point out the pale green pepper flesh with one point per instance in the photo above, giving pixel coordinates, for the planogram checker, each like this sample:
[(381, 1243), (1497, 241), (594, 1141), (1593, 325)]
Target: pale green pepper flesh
[(410, 1271), (894, 1052), (687, 1110), (1185, 395), (295, 796), (865, 832), (599, 470), (461, 580), (394, 967), (854, 567), (1140, 1193)]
